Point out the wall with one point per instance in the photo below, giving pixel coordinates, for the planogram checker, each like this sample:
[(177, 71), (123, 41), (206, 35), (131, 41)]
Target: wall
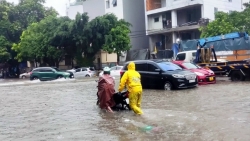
[(134, 13), (117, 10), (97, 10), (87, 6), (173, 4), (152, 25), (224, 6), (73, 10)]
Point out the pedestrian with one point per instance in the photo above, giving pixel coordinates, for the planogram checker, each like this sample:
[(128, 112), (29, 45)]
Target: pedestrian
[(106, 90), (132, 80)]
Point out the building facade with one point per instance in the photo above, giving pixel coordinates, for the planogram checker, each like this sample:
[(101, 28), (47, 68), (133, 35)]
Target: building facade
[(130, 10), (167, 20)]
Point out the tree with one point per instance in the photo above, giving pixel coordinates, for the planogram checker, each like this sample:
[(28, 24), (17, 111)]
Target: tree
[(118, 39), (46, 40), (226, 23), (14, 19), (221, 25)]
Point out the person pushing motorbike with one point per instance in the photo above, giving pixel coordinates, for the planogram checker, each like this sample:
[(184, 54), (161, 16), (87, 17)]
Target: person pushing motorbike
[(106, 90), (132, 80)]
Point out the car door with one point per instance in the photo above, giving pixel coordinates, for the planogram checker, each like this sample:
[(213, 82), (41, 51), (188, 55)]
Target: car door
[(153, 76), (142, 69), (113, 71), (47, 74), (78, 72)]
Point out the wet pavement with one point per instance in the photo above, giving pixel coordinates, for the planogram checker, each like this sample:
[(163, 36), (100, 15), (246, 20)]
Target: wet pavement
[(65, 110)]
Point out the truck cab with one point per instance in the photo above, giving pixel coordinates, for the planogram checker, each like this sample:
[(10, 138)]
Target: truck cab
[(189, 56), (186, 56)]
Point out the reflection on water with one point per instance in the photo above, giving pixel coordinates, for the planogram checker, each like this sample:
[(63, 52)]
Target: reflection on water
[(67, 111)]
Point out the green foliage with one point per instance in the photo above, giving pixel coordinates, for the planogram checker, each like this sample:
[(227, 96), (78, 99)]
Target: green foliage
[(14, 19), (30, 31), (46, 40), (226, 23), (117, 40)]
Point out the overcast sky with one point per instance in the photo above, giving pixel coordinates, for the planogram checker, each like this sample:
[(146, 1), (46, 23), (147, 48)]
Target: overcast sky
[(59, 5)]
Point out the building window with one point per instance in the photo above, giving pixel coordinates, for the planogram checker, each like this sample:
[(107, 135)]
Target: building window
[(156, 19), (215, 10), (107, 4), (114, 3)]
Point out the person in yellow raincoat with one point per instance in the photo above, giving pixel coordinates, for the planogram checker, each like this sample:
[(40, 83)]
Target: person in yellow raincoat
[(132, 80)]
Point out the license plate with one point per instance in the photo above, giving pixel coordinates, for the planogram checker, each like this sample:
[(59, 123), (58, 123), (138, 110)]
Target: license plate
[(211, 78), (191, 81)]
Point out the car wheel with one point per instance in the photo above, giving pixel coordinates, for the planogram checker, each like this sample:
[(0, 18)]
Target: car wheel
[(168, 86), (58, 77), (87, 75), (35, 78), (23, 77), (237, 76)]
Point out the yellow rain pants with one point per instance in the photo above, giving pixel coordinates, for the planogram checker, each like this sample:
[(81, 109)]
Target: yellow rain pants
[(135, 102)]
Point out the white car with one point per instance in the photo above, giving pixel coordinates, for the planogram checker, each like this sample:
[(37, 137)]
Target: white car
[(83, 72), (114, 71), (24, 75)]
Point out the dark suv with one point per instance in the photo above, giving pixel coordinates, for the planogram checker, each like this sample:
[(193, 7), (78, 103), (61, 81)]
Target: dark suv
[(164, 74)]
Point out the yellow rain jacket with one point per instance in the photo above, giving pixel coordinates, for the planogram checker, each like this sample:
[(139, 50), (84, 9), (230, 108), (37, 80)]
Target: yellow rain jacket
[(131, 79)]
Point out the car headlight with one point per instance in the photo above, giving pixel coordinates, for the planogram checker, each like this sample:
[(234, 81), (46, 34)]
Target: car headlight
[(210, 71), (178, 76), (199, 74)]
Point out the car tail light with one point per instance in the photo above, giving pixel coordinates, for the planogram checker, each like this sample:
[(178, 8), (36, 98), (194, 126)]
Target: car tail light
[(121, 72)]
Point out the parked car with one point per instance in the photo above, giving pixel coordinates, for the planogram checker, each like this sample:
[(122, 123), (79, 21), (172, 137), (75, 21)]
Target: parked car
[(205, 76), (164, 74), (79, 69), (25, 75), (114, 71), (47, 73), (83, 72)]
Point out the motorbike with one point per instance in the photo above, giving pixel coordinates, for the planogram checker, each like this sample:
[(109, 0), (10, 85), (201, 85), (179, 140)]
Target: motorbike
[(120, 101)]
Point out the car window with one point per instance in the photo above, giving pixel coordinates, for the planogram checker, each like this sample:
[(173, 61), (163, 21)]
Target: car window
[(168, 66), (119, 68), (190, 65), (151, 68), (78, 70), (92, 69), (181, 57), (46, 70), (113, 68), (141, 67), (84, 69)]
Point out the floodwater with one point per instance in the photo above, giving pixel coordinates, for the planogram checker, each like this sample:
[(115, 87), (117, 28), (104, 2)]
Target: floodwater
[(65, 110)]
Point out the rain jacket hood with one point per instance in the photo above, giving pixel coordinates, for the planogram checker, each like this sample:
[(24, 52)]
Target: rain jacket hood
[(131, 66)]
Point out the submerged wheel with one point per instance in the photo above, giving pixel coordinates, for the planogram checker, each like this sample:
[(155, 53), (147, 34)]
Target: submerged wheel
[(237, 76), (168, 86), (35, 78), (58, 77)]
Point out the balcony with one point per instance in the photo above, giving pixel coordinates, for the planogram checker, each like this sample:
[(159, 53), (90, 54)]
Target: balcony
[(189, 18), (157, 6)]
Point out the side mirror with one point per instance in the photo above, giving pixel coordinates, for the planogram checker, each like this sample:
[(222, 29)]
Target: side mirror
[(157, 70)]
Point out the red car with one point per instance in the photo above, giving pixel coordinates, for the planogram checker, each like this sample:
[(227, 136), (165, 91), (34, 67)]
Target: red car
[(205, 76)]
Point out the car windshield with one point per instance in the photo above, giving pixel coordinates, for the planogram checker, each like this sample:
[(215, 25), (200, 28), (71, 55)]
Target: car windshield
[(190, 66), (168, 66)]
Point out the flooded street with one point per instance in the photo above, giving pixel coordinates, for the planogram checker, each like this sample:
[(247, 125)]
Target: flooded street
[(65, 110)]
